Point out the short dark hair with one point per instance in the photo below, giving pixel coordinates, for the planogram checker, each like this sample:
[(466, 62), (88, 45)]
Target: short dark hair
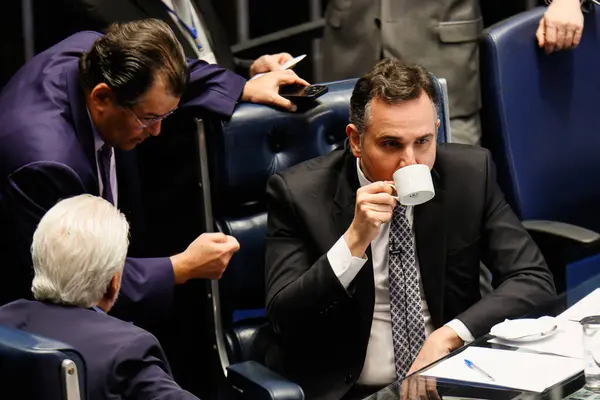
[(392, 81), (131, 56)]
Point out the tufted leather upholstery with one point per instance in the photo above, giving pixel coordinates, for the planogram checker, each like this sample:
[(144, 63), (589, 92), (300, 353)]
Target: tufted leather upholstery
[(541, 121), (30, 365), (243, 153)]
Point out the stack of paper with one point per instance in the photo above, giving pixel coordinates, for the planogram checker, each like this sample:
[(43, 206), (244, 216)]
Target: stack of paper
[(510, 369)]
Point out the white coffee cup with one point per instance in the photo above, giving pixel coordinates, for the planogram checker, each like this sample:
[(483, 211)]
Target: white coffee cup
[(413, 185)]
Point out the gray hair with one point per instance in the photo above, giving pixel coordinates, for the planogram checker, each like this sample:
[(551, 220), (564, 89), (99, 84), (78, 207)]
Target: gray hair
[(392, 81), (78, 246)]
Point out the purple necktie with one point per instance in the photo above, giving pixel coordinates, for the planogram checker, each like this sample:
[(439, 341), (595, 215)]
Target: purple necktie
[(104, 156)]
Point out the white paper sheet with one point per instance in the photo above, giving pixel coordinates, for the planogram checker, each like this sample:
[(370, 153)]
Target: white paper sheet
[(568, 341), (589, 305), (510, 369)]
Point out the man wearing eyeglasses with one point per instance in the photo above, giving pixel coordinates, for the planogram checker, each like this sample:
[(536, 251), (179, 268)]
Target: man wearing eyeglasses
[(67, 121)]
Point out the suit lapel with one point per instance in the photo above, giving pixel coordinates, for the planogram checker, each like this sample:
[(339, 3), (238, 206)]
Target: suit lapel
[(157, 9), (345, 195), (430, 233), (81, 121), (362, 287)]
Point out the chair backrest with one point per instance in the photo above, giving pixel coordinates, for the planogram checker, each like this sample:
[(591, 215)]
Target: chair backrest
[(243, 153), (38, 368), (541, 120)]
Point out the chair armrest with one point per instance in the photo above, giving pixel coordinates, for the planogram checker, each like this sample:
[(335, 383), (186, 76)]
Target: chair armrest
[(252, 380), (562, 230)]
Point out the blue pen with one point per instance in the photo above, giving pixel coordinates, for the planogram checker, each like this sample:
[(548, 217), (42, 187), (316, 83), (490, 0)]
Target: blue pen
[(476, 368)]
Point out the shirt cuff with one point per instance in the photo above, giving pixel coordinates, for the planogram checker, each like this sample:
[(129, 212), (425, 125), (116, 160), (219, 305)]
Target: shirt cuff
[(343, 264), (461, 330)]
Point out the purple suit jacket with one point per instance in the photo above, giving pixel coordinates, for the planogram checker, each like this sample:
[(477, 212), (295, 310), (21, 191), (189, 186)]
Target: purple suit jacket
[(47, 154), (122, 361)]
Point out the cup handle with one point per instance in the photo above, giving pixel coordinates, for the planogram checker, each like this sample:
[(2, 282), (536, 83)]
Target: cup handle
[(396, 196)]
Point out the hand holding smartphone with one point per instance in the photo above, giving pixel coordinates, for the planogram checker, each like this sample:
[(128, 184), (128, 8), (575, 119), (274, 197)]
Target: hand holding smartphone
[(299, 92)]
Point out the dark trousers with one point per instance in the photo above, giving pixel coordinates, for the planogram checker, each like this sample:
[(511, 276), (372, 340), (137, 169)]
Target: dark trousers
[(360, 392)]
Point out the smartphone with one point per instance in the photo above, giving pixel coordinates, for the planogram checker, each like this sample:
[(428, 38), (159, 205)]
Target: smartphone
[(299, 92)]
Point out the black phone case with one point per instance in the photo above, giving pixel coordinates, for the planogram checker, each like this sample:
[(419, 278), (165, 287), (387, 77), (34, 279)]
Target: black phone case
[(294, 92)]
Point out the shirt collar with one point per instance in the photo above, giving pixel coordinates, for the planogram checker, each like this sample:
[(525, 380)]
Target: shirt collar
[(98, 309), (362, 179), (98, 142)]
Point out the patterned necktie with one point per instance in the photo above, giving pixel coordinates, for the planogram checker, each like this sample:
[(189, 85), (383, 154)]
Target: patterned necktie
[(104, 156), (408, 325)]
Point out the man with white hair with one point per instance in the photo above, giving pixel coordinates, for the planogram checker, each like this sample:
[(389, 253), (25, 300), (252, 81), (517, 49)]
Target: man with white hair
[(79, 250)]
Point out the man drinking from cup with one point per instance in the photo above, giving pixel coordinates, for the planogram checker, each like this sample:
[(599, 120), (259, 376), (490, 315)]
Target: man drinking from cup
[(363, 289)]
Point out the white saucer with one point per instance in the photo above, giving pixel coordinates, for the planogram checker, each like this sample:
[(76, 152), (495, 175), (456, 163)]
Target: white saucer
[(525, 330)]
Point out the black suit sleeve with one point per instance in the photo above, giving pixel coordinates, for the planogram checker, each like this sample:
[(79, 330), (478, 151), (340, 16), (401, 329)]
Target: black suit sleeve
[(299, 292), (141, 372), (520, 276)]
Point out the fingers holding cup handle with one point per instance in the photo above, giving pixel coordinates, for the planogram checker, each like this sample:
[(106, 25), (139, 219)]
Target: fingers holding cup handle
[(394, 196)]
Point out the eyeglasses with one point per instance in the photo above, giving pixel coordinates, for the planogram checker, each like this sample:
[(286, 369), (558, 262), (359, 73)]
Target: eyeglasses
[(150, 121)]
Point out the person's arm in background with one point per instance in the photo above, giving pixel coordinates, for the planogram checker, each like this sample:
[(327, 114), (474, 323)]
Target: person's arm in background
[(561, 26), (217, 90)]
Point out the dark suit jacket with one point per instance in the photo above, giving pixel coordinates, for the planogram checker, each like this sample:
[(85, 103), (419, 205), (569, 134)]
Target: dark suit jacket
[(122, 360), (324, 329), (47, 154), (61, 18)]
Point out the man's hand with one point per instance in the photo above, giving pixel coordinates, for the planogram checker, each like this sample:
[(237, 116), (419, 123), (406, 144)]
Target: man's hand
[(374, 206), (268, 63), (561, 26), (439, 344), (206, 257), (419, 387), (265, 89)]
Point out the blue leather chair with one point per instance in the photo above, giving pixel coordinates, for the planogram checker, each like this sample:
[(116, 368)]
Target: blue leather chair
[(238, 158), (33, 368), (542, 124)]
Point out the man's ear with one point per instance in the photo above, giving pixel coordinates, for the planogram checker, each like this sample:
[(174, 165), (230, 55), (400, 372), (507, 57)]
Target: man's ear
[(354, 138), (437, 124), (101, 96), (112, 291)]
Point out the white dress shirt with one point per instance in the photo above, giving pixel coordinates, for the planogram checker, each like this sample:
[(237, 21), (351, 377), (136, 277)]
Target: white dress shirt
[(186, 10), (98, 143), (379, 367)]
